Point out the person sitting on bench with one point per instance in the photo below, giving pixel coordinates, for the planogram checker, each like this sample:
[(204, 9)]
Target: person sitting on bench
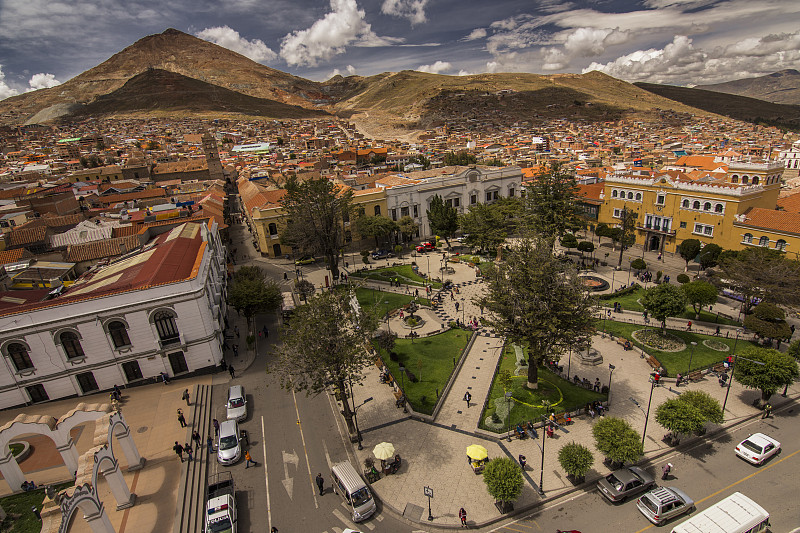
[(520, 432)]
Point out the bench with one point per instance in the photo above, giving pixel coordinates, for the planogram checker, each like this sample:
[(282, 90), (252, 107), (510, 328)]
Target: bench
[(695, 376), (719, 367), (653, 362), (625, 343), (562, 419)]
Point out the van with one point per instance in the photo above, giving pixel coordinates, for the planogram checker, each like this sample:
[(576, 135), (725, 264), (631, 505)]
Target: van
[(237, 404), (349, 484), (735, 514)]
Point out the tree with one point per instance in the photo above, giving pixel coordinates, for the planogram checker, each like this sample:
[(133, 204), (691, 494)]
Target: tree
[(551, 204), (459, 159), (304, 288), (250, 294), (680, 417), (762, 273), (683, 279), (709, 255), (375, 226), (484, 226), (443, 218), (778, 369), (408, 228), (768, 321), (794, 349), (617, 440), (585, 247), (624, 233), (576, 460), (601, 230), (385, 340), (316, 211), (638, 264), (569, 241), (663, 301), (699, 294), (537, 300), (708, 406), (324, 344), (689, 250), (503, 478)]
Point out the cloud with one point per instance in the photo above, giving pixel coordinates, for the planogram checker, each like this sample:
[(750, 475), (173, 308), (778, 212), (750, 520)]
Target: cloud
[(579, 43), (680, 62), (436, 68), (42, 81), (463, 72), (330, 35), (229, 38), (413, 10), (477, 33), (5, 90), (351, 70)]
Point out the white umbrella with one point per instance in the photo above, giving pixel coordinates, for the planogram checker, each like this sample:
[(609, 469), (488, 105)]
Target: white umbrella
[(383, 451)]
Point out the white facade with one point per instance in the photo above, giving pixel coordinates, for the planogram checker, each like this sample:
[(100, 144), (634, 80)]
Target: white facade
[(194, 304), (469, 186), (791, 158)]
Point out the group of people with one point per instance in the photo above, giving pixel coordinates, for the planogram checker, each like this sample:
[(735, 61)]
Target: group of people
[(594, 408), (587, 384)]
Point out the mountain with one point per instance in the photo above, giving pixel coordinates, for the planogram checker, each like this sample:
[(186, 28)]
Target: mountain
[(781, 87), (730, 105)]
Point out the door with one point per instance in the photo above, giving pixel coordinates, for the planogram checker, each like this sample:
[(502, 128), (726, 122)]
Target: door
[(276, 250), (132, 370), (87, 383), (654, 243), (37, 393), (178, 363)]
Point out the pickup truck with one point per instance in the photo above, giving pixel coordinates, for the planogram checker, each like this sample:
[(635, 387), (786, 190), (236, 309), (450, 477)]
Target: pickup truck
[(221, 504)]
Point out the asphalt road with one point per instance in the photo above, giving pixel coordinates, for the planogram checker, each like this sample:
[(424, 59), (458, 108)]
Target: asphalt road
[(708, 472)]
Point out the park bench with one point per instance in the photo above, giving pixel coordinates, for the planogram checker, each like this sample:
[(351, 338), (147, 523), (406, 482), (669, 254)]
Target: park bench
[(653, 362), (719, 367), (695, 376), (625, 343), (562, 419)]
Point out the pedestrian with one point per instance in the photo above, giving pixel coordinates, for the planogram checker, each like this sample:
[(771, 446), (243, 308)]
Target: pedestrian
[(457, 307), (467, 398), (210, 444), (266, 332), (236, 330), (185, 396), (178, 450), (235, 352), (462, 514), (481, 309), (659, 256), (181, 418), (215, 423), (117, 392), (792, 330), (248, 460), (196, 439), (273, 530), (522, 462), (666, 470), (678, 380), (717, 332), (689, 326), (767, 411), (188, 449), (320, 483), (165, 377), (597, 384), (231, 371)]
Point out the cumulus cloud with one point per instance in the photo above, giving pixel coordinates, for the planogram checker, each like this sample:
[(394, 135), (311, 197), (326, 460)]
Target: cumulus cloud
[(681, 62), (42, 81), (330, 35), (5, 90), (436, 68), (477, 33), (413, 10), (350, 69), (581, 42), (463, 72), (229, 38)]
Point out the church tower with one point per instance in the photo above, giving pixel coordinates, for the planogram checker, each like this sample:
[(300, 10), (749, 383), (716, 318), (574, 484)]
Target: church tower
[(212, 157)]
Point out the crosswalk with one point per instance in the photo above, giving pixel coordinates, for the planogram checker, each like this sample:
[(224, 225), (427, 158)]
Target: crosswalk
[(344, 518)]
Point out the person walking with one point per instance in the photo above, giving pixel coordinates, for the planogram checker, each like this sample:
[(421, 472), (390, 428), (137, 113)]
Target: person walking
[(767, 411), (266, 332), (320, 483), (467, 398), (117, 392), (185, 397), (235, 351), (196, 439), (215, 423), (462, 514), (178, 450), (230, 367), (210, 444), (248, 460), (689, 326), (597, 384), (188, 449), (522, 461), (236, 330), (181, 419)]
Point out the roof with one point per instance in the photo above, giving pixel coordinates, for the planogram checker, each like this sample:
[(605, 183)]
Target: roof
[(22, 236), (790, 202), (11, 256), (771, 219), (103, 248), (591, 192)]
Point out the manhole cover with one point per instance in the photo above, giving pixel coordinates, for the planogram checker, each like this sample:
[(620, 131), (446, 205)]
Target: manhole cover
[(142, 429)]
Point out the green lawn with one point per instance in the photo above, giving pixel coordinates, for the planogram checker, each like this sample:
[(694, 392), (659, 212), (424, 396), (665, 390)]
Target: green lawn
[(385, 301), (630, 302), (431, 360), (481, 261), (675, 362), (19, 517), (526, 403), (404, 274)]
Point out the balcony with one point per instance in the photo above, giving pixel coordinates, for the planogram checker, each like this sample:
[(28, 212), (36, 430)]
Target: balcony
[(656, 229)]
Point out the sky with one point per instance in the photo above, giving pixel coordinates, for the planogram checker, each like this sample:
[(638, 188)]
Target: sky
[(681, 42)]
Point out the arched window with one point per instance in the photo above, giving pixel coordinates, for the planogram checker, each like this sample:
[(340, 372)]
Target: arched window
[(748, 238), (755, 180), (696, 205), (718, 208), (377, 210), (119, 334), (763, 241), (735, 179), (707, 206), (686, 204), (166, 328), (18, 353), (638, 197), (273, 228), (780, 245), (745, 180), (630, 196), (614, 193), (71, 344)]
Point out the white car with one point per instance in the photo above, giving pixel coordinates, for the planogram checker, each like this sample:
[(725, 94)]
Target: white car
[(757, 448)]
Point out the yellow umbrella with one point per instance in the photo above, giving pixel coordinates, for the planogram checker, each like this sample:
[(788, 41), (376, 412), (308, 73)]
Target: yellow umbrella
[(477, 452), (383, 451)]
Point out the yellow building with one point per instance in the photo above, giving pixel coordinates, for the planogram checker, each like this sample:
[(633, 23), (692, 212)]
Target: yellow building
[(672, 207)]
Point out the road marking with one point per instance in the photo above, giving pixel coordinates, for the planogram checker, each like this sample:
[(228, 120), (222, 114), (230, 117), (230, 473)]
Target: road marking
[(288, 481), (305, 451), (754, 474), (327, 455), (266, 475), (349, 523)]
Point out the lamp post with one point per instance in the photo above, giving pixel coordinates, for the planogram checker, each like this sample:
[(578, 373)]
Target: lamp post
[(355, 417), (691, 355), (402, 370), (569, 362), (541, 472), (647, 416), (428, 258), (508, 399), (733, 370), (610, 372)]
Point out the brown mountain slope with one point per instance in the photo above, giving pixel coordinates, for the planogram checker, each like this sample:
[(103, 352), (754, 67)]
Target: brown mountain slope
[(782, 87), (163, 93), (174, 51)]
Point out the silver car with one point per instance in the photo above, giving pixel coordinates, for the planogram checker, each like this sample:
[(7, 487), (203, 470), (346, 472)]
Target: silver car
[(663, 503), (625, 482), (237, 404), (229, 449)]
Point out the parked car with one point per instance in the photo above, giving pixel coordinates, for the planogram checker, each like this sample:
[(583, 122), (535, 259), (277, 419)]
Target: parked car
[(305, 260), (625, 482), (382, 254), (757, 448), (663, 503), (237, 404), (425, 247), (229, 448)]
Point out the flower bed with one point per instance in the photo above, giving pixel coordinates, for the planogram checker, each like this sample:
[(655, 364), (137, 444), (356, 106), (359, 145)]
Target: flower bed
[(653, 338), (716, 345)]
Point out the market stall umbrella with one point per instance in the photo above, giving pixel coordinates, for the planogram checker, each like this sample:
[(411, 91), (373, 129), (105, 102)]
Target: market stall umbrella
[(477, 452), (383, 451)]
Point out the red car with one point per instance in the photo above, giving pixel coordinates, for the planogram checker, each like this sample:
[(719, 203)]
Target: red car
[(426, 247)]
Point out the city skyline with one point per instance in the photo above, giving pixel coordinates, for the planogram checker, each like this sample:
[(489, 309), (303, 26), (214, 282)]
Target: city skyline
[(661, 41)]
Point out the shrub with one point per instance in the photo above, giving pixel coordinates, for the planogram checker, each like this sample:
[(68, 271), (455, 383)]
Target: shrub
[(682, 278), (617, 440), (394, 356), (638, 264), (251, 340), (503, 478), (576, 459)]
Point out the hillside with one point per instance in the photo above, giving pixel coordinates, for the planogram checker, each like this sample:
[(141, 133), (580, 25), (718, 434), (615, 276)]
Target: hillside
[(781, 87), (160, 92), (737, 107)]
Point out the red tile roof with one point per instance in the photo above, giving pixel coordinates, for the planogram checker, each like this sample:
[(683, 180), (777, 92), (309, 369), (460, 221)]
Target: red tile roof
[(11, 256), (771, 219), (22, 236), (790, 203), (99, 249)]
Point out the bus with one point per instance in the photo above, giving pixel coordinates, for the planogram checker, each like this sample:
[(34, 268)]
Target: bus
[(287, 306), (735, 514)]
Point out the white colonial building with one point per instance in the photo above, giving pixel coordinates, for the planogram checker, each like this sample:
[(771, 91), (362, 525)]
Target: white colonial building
[(460, 187), (791, 158), (157, 309)]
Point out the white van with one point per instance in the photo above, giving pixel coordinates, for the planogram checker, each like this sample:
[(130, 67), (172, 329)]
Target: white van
[(735, 514), (349, 484), (237, 404)]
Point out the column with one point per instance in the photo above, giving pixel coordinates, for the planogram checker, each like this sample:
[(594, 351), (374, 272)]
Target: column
[(129, 449), (118, 486), (70, 455), (98, 521), (11, 471)]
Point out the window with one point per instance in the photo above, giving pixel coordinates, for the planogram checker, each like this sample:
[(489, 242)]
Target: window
[(449, 202), (273, 228), (488, 197), (403, 212), (18, 353), (511, 192), (718, 208), (683, 225), (617, 213), (745, 179), (755, 180), (763, 241), (71, 344), (614, 193), (416, 210), (119, 334), (660, 199), (473, 199), (165, 325), (87, 383), (394, 214), (132, 370), (780, 244), (345, 217), (638, 197), (707, 206), (703, 229), (457, 202), (748, 238), (37, 393), (630, 196), (377, 210), (685, 204), (696, 205)]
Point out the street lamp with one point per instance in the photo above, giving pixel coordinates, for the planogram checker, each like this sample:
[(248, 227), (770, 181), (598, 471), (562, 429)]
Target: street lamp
[(733, 370), (647, 416), (508, 399), (355, 417), (610, 372), (402, 370), (691, 355), (541, 473)]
